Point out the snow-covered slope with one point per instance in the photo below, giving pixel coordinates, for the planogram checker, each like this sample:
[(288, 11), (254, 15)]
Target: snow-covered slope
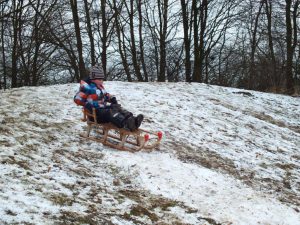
[(227, 157)]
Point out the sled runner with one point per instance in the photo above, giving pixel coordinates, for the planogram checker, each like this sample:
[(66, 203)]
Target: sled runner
[(119, 138)]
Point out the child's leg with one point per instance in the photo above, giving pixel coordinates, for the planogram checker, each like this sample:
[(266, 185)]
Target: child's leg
[(103, 115)]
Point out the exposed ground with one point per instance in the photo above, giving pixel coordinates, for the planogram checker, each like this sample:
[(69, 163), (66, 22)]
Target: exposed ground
[(227, 157)]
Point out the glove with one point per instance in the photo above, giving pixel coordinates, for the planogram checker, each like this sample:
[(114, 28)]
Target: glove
[(113, 100)]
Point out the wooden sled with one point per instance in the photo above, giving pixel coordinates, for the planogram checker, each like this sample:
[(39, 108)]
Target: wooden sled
[(119, 138)]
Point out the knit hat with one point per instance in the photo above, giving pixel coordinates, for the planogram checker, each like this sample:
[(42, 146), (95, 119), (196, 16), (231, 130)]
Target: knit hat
[(96, 72)]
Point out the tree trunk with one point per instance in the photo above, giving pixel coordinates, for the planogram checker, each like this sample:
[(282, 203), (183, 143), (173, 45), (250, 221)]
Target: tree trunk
[(132, 40), (199, 50), (187, 41), (16, 26), (163, 18), (121, 43), (36, 49), (221, 74), (274, 74), (289, 49), (74, 8), (203, 21), (4, 84), (90, 32), (104, 37), (206, 69), (139, 6), (197, 66), (253, 49)]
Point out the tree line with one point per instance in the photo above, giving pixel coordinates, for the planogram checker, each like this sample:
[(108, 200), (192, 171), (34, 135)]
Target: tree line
[(250, 44)]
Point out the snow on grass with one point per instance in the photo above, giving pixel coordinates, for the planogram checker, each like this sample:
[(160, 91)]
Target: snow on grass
[(216, 195), (227, 156)]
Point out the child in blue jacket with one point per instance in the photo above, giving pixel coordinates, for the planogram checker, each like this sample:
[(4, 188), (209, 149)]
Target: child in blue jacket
[(92, 94)]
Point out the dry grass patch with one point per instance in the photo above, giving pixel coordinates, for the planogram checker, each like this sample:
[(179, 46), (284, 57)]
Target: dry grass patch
[(61, 199), (140, 211), (12, 160)]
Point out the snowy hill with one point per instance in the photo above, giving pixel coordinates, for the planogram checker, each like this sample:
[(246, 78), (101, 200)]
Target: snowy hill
[(226, 158)]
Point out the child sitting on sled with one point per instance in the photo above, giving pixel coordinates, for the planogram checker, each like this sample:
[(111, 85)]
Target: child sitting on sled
[(92, 94)]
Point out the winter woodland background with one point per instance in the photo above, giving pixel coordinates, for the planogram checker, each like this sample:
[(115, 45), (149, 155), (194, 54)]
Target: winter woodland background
[(234, 161), (251, 44)]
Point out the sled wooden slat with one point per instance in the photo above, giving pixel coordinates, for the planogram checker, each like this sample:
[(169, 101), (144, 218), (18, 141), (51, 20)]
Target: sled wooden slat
[(121, 139), (110, 144)]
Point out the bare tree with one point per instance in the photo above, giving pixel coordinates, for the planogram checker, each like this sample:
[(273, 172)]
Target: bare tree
[(4, 25), (273, 66), (121, 39), (90, 31), (141, 39), (291, 42), (161, 19), (16, 23), (250, 44), (133, 49), (163, 10), (199, 24), (186, 20), (103, 18), (254, 42), (74, 8), (104, 38)]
